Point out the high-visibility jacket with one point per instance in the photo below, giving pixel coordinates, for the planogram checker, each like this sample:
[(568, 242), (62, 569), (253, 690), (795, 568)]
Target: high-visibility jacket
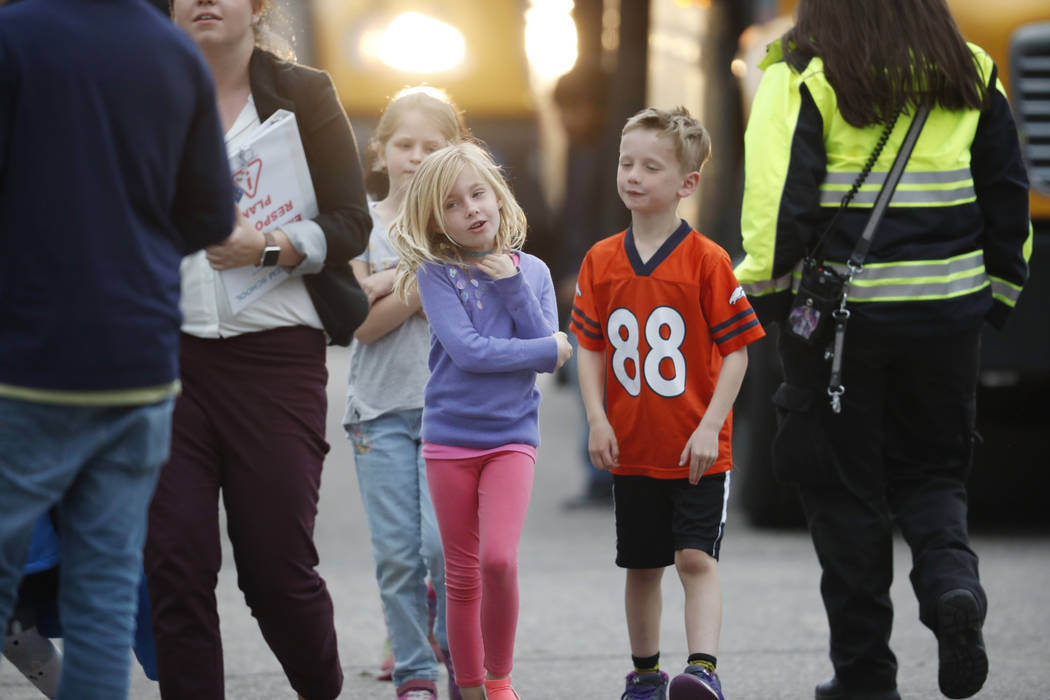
[(953, 246)]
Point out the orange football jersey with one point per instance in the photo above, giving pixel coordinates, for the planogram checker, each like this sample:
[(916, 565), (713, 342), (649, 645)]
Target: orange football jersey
[(664, 326)]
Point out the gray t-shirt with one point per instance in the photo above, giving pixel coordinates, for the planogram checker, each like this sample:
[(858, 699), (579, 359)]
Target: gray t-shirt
[(390, 374)]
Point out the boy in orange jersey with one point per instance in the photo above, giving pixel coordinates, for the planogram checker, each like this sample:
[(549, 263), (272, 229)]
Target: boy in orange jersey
[(662, 326)]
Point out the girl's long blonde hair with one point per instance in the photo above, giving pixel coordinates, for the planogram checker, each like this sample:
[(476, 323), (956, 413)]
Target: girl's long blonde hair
[(418, 232)]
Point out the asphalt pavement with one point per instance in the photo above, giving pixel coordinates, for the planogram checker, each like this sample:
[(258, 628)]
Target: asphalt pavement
[(572, 639)]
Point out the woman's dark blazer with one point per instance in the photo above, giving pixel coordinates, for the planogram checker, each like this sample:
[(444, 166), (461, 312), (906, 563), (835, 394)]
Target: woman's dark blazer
[(335, 169)]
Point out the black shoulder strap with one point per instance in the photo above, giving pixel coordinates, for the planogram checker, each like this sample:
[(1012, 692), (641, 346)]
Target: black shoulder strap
[(860, 250)]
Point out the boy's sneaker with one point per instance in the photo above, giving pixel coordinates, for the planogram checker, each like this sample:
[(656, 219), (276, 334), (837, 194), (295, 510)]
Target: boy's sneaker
[(696, 683), (417, 690), (645, 686), (960, 645)]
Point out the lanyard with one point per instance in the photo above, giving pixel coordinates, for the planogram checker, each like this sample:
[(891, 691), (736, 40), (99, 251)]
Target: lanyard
[(856, 259)]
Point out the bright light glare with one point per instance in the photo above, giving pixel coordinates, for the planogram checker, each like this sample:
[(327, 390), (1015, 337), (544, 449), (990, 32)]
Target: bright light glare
[(372, 43), (550, 38), (415, 43)]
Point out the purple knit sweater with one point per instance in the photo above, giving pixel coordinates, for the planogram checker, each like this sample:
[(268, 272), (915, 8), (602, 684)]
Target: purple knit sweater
[(488, 339)]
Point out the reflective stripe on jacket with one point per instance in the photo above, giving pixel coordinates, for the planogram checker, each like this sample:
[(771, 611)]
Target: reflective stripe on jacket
[(953, 245)]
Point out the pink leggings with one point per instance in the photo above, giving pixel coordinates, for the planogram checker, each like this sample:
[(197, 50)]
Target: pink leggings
[(480, 505)]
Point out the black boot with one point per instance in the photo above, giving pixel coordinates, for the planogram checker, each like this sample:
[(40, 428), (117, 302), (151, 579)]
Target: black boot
[(960, 645)]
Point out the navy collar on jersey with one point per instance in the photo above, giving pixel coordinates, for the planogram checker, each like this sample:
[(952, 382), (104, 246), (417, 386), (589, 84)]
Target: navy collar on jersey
[(645, 269)]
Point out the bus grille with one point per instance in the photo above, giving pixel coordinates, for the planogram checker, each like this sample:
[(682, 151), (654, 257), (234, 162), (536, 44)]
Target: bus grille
[(1030, 81)]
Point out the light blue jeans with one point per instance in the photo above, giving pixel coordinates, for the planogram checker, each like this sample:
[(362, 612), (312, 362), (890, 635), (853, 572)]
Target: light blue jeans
[(392, 477), (98, 465)]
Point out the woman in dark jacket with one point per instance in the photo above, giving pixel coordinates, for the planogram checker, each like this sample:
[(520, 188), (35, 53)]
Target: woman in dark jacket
[(251, 418), (889, 441)]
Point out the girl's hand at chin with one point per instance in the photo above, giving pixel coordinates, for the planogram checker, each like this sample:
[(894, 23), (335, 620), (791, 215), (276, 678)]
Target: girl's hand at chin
[(497, 265)]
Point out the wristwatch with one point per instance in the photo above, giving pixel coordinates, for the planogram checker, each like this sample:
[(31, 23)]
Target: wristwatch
[(271, 251)]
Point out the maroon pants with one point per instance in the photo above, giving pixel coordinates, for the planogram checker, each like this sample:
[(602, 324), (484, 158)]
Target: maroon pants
[(250, 425)]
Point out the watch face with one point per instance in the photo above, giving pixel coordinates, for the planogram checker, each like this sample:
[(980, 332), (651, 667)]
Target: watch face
[(270, 255)]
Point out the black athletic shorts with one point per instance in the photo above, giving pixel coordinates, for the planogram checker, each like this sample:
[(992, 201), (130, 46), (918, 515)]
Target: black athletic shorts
[(657, 517)]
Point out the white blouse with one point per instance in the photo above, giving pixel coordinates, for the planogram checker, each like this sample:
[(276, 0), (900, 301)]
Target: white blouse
[(205, 307)]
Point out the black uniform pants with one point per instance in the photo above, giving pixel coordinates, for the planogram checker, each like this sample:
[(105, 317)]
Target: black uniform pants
[(899, 454)]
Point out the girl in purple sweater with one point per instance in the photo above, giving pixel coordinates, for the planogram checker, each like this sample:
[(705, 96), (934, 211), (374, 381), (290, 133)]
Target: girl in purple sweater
[(493, 326)]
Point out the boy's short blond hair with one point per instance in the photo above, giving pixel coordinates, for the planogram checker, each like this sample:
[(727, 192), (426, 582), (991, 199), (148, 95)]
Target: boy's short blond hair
[(692, 143)]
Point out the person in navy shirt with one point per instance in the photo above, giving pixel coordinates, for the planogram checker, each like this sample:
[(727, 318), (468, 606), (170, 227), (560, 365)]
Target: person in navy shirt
[(112, 168)]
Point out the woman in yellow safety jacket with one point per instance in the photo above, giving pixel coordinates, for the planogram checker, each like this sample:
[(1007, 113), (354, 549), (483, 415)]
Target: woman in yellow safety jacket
[(950, 252)]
